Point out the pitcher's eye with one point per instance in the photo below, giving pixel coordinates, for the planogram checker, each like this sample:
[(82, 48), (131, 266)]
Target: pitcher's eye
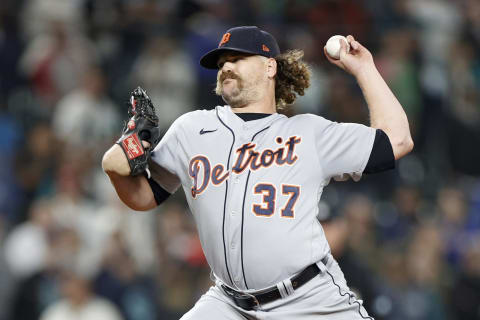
[(232, 59)]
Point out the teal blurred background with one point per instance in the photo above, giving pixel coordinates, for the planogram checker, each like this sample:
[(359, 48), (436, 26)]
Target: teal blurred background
[(407, 240)]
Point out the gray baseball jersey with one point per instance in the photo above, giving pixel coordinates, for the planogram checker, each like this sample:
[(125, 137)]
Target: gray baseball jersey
[(253, 187)]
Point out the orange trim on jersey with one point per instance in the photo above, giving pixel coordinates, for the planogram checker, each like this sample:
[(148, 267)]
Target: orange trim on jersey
[(258, 206), (291, 142), (242, 158), (272, 158), (253, 159), (290, 199), (216, 172), (193, 170)]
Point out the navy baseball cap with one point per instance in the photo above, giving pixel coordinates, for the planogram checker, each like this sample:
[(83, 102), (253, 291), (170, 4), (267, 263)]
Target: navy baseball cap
[(247, 39)]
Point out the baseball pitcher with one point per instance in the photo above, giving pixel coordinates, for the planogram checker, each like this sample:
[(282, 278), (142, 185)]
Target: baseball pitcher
[(253, 177)]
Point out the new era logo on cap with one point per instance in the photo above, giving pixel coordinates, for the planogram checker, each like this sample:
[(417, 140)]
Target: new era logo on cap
[(247, 39)]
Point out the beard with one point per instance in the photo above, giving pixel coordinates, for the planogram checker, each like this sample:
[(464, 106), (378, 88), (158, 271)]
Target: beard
[(241, 93)]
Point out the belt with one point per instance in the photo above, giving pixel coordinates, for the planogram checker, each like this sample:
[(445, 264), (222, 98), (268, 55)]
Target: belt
[(250, 301)]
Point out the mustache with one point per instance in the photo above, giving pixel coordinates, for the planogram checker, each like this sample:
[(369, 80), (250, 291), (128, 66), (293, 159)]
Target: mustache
[(228, 75)]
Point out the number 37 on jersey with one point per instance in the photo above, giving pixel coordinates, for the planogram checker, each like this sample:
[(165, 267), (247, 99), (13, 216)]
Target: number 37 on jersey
[(201, 172)]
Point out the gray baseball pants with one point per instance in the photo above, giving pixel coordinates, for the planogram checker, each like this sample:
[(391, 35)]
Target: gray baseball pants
[(326, 296)]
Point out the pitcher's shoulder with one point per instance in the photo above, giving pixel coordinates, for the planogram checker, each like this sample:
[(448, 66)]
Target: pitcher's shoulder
[(306, 119), (196, 116)]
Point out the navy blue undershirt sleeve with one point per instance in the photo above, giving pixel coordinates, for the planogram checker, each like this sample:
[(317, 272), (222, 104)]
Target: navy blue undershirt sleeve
[(381, 158), (159, 193), (252, 116)]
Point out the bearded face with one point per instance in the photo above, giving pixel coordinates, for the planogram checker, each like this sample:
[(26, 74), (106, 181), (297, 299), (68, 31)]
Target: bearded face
[(229, 85), (239, 81)]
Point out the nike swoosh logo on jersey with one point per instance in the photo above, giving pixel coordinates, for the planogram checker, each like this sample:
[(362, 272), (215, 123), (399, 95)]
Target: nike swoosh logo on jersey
[(203, 131)]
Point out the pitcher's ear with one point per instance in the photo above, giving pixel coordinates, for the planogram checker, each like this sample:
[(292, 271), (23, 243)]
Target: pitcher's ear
[(271, 67)]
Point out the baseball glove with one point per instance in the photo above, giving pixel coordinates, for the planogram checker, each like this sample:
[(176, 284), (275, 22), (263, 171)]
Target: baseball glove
[(142, 125)]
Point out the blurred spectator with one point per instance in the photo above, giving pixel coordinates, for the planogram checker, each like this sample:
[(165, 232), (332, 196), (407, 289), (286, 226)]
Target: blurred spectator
[(86, 119), (148, 16), (344, 100), (358, 212), (135, 229), (25, 254), (167, 73), (79, 302), (11, 136), (471, 11), (464, 108), (422, 297), (399, 221), (184, 270), (35, 166), (27, 246), (55, 61), (10, 49), (452, 208), (315, 97), (337, 17), (37, 15), (203, 29), (72, 210), (440, 23), (120, 281), (464, 68), (177, 232), (32, 295), (465, 294), (396, 61), (7, 284), (352, 242)]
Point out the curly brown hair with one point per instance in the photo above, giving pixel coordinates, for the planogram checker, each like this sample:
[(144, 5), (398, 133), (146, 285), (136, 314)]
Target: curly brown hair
[(293, 75)]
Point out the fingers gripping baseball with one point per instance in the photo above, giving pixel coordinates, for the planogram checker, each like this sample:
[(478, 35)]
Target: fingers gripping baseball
[(352, 57)]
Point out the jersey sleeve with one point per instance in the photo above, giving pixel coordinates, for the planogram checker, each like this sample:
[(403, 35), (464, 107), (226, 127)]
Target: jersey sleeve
[(164, 160), (343, 148)]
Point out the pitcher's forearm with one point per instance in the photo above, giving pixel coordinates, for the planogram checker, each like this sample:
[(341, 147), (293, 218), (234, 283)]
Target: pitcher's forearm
[(134, 191), (386, 112)]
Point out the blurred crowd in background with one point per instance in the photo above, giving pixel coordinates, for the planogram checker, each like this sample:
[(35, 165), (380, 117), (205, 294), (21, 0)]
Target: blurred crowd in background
[(407, 240)]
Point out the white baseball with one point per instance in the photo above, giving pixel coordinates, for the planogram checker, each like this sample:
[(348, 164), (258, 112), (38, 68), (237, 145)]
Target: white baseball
[(333, 46)]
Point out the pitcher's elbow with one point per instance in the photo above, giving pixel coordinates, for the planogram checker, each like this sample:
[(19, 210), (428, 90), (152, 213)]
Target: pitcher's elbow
[(134, 202), (409, 144), (403, 147), (107, 162)]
